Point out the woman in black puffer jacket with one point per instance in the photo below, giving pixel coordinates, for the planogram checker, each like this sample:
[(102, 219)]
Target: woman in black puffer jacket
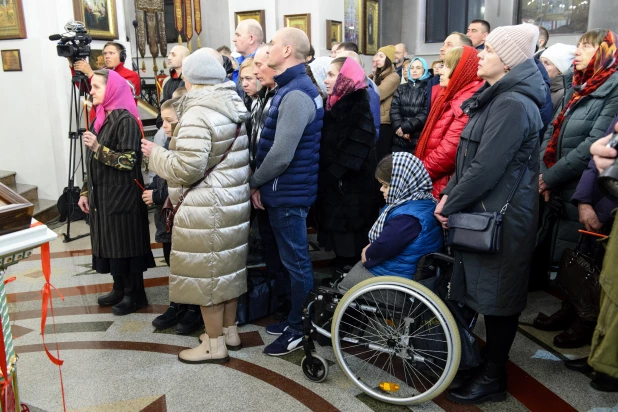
[(409, 108)]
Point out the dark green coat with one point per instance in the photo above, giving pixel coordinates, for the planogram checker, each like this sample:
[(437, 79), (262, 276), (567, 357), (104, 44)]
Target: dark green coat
[(586, 122), (500, 137), (118, 216)]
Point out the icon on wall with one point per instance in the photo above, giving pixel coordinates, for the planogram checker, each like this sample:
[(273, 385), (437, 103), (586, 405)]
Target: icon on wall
[(334, 33), (299, 21), (12, 24)]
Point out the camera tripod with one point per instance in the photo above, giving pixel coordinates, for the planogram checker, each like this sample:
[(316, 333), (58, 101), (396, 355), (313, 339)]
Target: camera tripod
[(70, 195)]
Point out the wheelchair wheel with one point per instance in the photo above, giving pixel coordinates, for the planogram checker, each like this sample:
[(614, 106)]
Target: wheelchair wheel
[(396, 340), (315, 369)]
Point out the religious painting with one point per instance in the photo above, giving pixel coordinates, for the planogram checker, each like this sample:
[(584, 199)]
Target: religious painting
[(334, 33), (299, 21), (11, 60), (96, 59), (258, 15), (353, 23), (372, 23), (99, 17), (12, 24)]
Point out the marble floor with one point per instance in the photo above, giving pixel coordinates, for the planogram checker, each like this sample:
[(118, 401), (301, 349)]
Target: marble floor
[(116, 363)]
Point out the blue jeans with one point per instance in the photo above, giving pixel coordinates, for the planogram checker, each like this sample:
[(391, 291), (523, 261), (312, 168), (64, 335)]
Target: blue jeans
[(271, 257), (289, 225)]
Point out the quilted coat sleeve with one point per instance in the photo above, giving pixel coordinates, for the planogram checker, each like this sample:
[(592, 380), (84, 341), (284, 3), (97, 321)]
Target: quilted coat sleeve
[(441, 161), (187, 163), (502, 136), (396, 119), (574, 163)]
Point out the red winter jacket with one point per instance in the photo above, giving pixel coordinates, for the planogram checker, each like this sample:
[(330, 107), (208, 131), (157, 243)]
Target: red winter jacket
[(439, 157)]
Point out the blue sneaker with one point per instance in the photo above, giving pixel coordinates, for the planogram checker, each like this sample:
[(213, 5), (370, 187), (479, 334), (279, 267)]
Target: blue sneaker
[(277, 328), (289, 341)]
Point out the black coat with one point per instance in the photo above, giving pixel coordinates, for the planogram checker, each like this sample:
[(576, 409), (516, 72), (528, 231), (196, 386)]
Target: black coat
[(118, 215), (346, 185), (409, 111), (158, 185), (169, 87), (500, 137)]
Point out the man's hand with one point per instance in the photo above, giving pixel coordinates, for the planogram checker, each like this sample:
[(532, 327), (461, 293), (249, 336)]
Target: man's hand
[(399, 132), (603, 156), (90, 140), (84, 67), (546, 195), (147, 146), (83, 204), (589, 218), (363, 254), (256, 200), (147, 197), (438, 212)]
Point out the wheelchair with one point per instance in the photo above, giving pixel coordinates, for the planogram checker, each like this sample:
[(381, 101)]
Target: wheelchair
[(393, 337)]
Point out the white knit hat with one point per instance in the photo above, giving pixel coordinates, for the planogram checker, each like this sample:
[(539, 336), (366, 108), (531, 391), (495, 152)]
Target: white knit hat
[(560, 55), (201, 68), (513, 44)]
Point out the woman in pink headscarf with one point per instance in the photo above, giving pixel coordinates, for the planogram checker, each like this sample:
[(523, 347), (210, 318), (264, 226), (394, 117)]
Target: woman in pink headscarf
[(111, 196), (346, 188)]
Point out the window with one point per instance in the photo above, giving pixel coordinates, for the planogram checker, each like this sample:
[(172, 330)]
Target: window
[(557, 16), (446, 16)]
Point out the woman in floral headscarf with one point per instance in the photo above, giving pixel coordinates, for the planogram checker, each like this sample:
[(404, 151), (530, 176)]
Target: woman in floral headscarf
[(118, 216), (346, 207), (589, 107)]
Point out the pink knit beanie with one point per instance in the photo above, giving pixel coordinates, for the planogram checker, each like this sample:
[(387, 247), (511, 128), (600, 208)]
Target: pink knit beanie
[(514, 44)]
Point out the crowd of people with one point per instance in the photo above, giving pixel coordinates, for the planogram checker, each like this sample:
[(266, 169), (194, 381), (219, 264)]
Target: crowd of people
[(379, 162)]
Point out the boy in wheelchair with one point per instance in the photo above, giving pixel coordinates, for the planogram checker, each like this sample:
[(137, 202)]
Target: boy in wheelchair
[(406, 228)]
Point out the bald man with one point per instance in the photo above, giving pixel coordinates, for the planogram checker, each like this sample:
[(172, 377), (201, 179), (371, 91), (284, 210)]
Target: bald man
[(174, 61), (247, 38), (285, 182), (401, 55)]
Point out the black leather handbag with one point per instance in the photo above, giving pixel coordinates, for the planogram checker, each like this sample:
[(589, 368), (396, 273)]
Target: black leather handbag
[(479, 232)]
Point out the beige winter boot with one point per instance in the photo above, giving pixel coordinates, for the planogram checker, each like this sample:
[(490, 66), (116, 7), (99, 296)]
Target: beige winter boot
[(209, 351), (232, 339)]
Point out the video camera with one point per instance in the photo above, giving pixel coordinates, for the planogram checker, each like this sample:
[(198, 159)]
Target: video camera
[(74, 43)]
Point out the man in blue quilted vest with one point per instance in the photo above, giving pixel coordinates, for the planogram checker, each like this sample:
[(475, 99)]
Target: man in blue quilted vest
[(285, 182)]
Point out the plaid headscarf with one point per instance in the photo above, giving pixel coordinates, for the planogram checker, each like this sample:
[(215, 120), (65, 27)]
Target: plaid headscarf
[(601, 67), (409, 181)]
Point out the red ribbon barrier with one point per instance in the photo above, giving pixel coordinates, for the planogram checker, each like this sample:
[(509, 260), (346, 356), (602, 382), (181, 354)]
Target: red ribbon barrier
[(48, 304)]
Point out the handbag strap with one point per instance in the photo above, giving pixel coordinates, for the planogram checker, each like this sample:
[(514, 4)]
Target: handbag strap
[(209, 171), (521, 175)]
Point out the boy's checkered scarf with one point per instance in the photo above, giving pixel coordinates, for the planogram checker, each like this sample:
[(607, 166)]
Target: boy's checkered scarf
[(409, 181)]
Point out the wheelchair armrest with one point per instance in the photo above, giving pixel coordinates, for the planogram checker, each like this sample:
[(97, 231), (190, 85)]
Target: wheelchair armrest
[(443, 257)]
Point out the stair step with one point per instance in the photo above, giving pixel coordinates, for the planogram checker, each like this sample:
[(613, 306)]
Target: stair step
[(45, 210), (7, 178), (29, 192)]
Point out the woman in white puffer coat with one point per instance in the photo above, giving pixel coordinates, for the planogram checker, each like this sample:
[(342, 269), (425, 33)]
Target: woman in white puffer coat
[(211, 227)]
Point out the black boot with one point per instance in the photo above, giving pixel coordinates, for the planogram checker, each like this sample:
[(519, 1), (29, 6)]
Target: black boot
[(577, 335), (579, 365), (115, 296), (604, 383), (560, 320), (191, 322), (464, 376), (490, 385), (134, 295), (171, 317)]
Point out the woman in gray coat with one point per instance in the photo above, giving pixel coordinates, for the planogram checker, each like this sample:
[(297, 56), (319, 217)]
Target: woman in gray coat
[(588, 109), (211, 227), (499, 143)]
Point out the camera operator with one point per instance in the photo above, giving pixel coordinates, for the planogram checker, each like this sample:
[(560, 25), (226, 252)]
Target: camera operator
[(114, 55)]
